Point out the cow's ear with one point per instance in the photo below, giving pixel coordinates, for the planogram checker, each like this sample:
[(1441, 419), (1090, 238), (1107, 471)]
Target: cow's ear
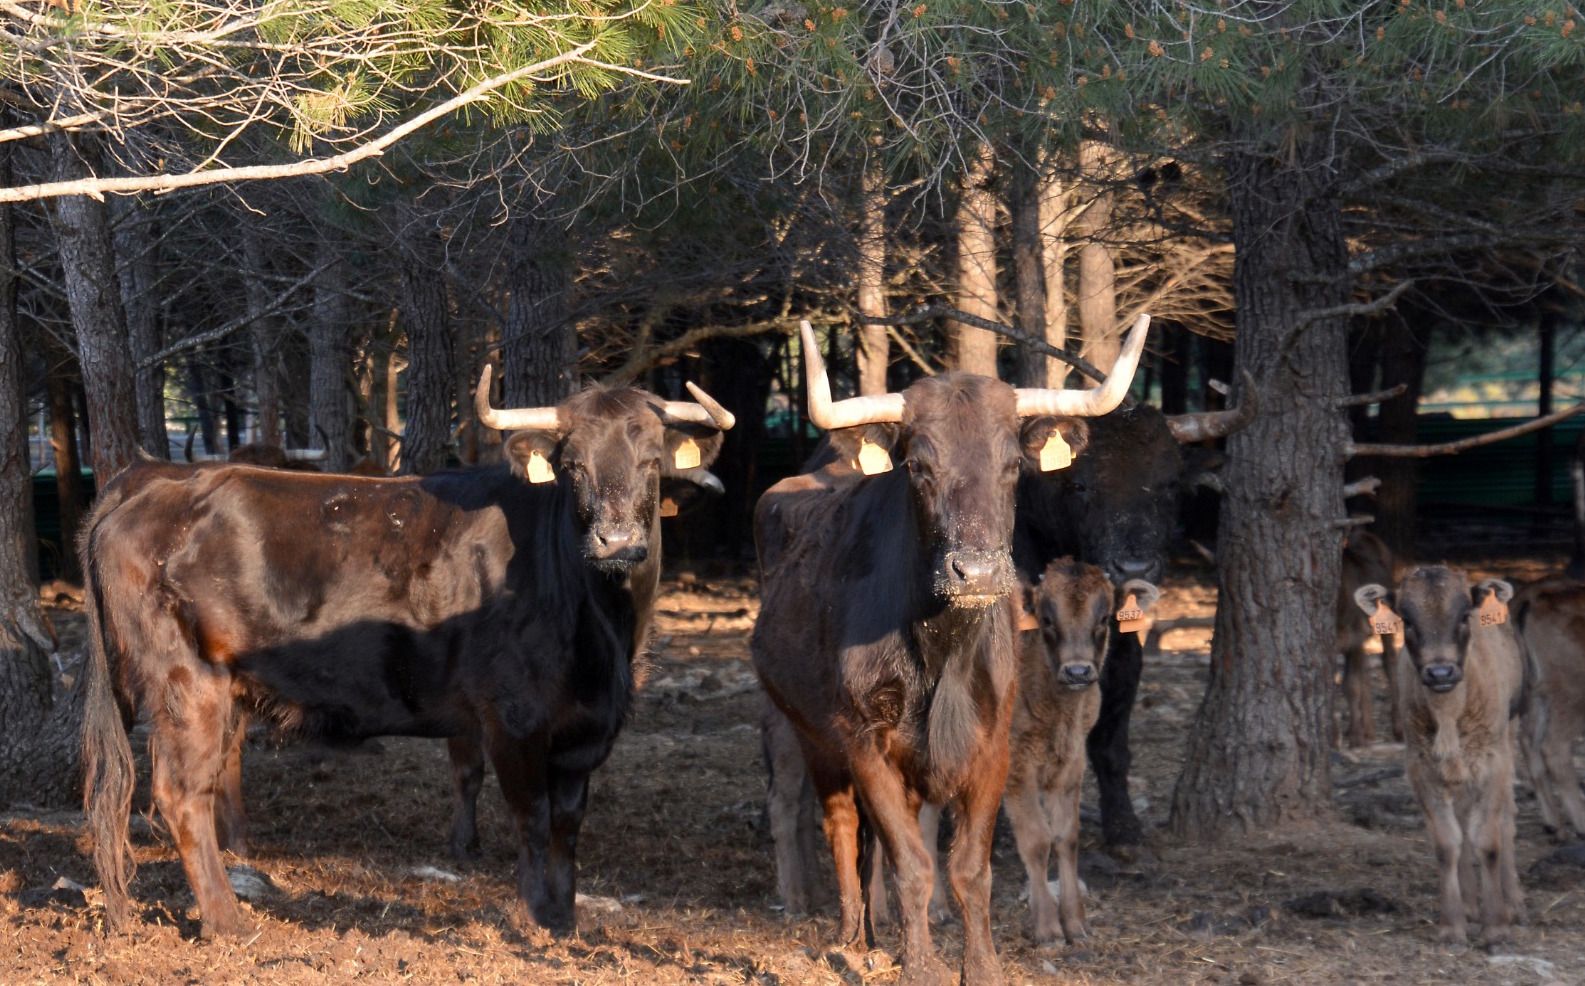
[(1036, 433), (1368, 595), (847, 442), (1499, 587), (532, 455), (690, 447)]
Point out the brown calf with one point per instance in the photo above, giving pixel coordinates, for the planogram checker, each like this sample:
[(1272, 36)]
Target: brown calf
[(1366, 559), (1460, 682), (1551, 620)]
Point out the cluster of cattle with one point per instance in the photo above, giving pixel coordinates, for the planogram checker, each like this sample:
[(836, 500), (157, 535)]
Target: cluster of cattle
[(951, 547)]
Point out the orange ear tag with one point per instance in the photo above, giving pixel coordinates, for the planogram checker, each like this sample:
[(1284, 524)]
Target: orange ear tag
[(1056, 453), (873, 459), (687, 455), (668, 507), (539, 470), (1026, 619), (1131, 618), (1384, 620), (1493, 612)]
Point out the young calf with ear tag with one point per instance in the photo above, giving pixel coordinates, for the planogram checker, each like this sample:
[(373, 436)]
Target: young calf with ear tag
[(1072, 608), (1460, 680)]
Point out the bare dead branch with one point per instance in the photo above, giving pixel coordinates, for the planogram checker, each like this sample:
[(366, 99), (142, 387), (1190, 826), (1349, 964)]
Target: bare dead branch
[(1463, 444), (1357, 308), (1364, 486), (1374, 397), (221, 331), (925, 313)]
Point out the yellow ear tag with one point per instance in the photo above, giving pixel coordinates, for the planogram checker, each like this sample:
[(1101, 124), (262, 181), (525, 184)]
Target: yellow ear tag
[(668, 507), (873, 459), (1026, 619), (686, 455), (1493, 612), (539, 470), (1385, 621), (1055, 454)]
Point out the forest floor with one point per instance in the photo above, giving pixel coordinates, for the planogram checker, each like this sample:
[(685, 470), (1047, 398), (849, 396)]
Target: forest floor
[(676, 877)]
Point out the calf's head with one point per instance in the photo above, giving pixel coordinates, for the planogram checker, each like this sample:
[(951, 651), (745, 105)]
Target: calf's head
[(608, 449), (1437, 606), (958, 440), (1073, 606)]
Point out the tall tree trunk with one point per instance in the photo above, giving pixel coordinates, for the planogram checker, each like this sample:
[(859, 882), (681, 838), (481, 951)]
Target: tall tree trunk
[(330, 355), (38, 732), (1576, 562), (1054, 218), (295, 377), (137, 247), (874, 350), (1403, 355), (263, 337), (1258, 752), (427, 436), (974, 350), (93, 293), (1029, 269), (70, 491), (539, 344), (1097, 290)]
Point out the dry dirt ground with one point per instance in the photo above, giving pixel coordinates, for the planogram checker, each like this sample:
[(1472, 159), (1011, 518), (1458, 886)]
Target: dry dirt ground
[(677, 877)]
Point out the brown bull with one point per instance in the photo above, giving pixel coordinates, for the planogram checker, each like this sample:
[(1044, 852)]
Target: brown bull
[(1366, 559), (1461, 683), (1551, 620), (885, 635)]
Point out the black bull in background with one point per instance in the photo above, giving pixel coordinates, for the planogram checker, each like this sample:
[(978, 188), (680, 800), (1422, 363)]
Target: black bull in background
[(505, 602)]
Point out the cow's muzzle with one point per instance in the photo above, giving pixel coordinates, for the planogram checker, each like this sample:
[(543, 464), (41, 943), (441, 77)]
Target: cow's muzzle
[(616, 550), (975, 579), (1123, 569), (1077, 675), (1441, 677)]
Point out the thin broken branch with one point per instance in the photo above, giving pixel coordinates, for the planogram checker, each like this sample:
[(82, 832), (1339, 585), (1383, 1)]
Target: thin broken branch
[(1374, 397), (925, 313)]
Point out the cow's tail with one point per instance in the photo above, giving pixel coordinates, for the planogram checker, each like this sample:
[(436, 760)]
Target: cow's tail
[(107, 762)]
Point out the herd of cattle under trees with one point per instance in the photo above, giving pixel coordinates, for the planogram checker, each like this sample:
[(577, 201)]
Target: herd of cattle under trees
[(950, 592)]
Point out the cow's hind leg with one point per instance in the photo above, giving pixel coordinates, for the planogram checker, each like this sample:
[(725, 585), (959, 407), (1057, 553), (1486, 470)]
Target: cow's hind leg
[(1107, 742), (467, 778), (787, 788), (231, 821), (188, 748), (841, 821)]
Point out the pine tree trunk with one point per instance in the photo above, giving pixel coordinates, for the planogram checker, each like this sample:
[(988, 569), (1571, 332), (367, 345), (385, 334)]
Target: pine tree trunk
[(38, 734), (1054, 218), (1097, 288), (874, 349), (1029, 271), (1258, 752), (427, 436), (93, 293), (70, 491), (263, 337), (1403, 356), (330, 356), (137, 247), (974, 350), (539, 344)]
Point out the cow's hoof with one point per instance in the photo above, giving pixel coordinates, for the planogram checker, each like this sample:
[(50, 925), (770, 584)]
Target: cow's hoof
[(1452, 936), (226, 926), (1076, 933), (466, 853), (929, 972), (987, 972)]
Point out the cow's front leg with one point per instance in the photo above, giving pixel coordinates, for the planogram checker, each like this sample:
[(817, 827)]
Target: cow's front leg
[(895, 812), (1448, 838), (1108, 741), (970, 861), (569, 797), (521, 768)]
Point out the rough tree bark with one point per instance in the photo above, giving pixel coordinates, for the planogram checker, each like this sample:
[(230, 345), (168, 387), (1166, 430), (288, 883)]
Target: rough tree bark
[(427, 435), (1097, 287), (1258, 752), (1403, 356), (539, 343), (70, 490), (874, 349), (330, 356), (263, 337), (974, 350), (93, 293), (137, 248), (1029, 270), (38, 728)]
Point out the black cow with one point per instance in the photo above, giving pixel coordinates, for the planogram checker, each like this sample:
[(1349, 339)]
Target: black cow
[(885, 633), (508, 601), (1116, 508)]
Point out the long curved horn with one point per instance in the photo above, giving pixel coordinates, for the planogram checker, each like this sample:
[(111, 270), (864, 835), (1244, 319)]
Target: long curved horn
[(511, 418), (1199, 426), (1096, 400), (707, 412), (829, 414)]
